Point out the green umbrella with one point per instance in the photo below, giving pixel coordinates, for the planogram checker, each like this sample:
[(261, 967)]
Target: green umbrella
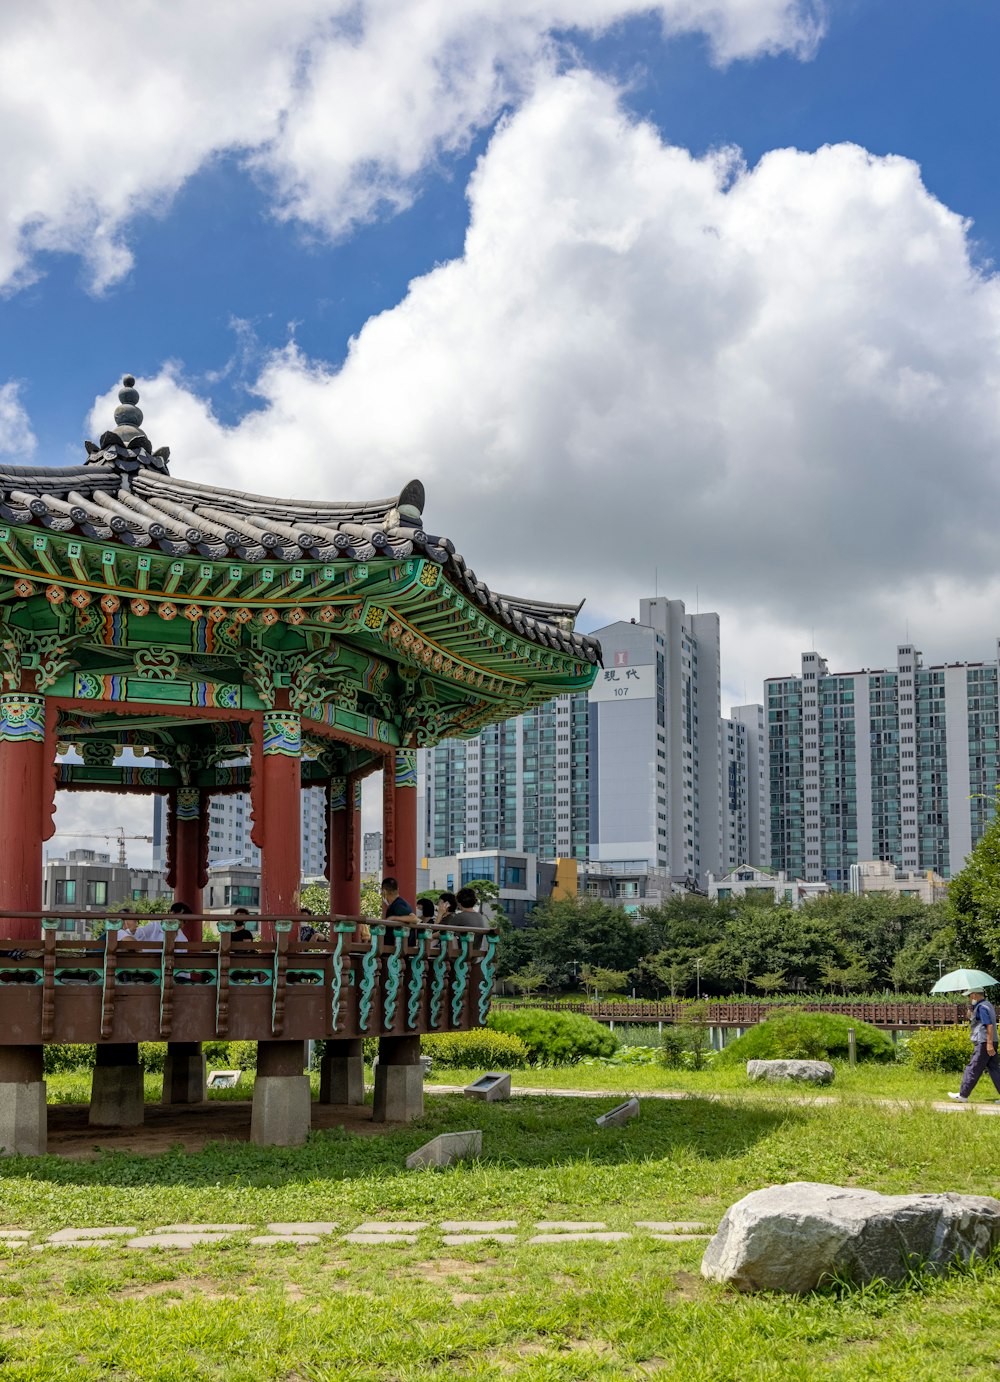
[(962, 980)]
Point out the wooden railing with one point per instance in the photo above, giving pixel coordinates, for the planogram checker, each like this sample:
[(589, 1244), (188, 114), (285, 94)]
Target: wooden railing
[(894, 1016), (363, 978)]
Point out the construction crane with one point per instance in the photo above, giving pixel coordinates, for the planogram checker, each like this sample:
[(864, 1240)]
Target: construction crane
[(119, 835)]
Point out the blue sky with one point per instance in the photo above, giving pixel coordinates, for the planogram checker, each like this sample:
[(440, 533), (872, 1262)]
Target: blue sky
[(344, 242)]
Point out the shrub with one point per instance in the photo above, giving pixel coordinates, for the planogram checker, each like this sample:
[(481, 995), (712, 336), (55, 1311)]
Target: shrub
[(152, 1055), (555, 1038), (673, 1046), (946, 1048), (480, 1049), (242, 1055), (216, 1054), (59, 1059), (808, 1036)]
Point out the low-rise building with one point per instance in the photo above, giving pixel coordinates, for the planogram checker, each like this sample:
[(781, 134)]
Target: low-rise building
[(522, 879), (88, 881), (630, 884), (230, 886), (748, 880), (883, 876)]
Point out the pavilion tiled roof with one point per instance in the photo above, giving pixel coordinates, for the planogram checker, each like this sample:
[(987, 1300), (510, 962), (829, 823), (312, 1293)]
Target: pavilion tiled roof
[(124, 494)]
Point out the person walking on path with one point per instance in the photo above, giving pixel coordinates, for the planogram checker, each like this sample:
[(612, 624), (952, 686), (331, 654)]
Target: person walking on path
[(984, 1047)]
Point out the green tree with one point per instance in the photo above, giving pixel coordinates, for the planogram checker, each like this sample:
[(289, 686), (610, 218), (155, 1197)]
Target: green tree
[(974, 900), (772, 981), (316, 897), (569, 933), (527, 980), (604, 980), (663, 970)]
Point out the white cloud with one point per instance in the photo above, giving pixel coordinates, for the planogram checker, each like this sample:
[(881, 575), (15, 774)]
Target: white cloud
[(17, 440), (105, 112), (780, 384)]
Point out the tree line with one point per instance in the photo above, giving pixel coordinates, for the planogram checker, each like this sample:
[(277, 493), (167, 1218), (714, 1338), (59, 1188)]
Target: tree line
[(841, 943)]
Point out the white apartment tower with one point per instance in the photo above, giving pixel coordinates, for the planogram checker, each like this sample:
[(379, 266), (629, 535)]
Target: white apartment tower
[(229, 831), (656, 743)]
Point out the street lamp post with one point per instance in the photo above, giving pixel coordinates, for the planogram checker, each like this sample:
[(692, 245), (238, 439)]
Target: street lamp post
[(697, 981)]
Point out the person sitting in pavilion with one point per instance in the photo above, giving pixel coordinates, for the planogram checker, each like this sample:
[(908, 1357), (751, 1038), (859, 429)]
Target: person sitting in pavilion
[(445, 909), (129, 926), (242, 932)]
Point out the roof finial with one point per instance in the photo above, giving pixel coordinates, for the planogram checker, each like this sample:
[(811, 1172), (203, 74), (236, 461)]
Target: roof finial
[(127, 415), (127, 447)]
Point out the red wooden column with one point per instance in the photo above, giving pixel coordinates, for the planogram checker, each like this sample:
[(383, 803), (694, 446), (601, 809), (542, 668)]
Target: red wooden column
[(343, 864), (399, 821), (276, 787), (187, 851), (23, 764)]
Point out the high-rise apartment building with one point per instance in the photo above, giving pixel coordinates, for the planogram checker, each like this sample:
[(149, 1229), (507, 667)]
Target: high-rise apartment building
[(656, 743), (371, 853), (746, 808), (520, 785), (897, 764), (229, 831), (630, 775)]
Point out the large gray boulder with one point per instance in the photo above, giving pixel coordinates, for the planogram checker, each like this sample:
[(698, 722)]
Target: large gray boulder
[(790, 1237), (808, 1071)]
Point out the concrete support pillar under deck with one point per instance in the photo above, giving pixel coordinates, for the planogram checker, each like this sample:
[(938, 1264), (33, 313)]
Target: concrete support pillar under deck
[(282, 1108), (184, 1073), (116, 1096), (342, 1073), (399, 1080), (23, 1117)]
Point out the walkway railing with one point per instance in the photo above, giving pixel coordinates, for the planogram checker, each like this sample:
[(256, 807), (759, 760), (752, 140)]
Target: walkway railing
[(365, 978), (893, 1016)]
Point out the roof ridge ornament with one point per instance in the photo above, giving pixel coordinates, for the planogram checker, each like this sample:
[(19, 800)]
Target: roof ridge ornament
[(127, 447)]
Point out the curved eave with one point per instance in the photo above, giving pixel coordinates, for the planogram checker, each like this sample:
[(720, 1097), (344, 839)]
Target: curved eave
[(170, 518)]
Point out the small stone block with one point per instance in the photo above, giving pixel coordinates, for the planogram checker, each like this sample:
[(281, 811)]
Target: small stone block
[(446, 1149), (224, 1079), (79, 1235), (301, 1228), (477, 1225), (557, 1225), (175, 1240), (671, 1226), (615, 1117), (13, 1243), (490, 1087), (201, 1228), (384, 1226), (11, 1233), (372, 1238), (267, 1240), (579, 1237), (459, 1240)]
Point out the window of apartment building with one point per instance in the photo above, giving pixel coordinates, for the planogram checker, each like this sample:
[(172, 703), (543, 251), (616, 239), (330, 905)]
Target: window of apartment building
[(65, 890), (241, 895), (97, 892)]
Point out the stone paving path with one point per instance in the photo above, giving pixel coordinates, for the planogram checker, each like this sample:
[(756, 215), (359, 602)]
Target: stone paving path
[(939, 1105), (373, 1233)]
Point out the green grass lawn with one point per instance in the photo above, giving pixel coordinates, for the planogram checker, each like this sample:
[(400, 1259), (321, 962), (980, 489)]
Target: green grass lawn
[(890, 1081), (630, 1310)]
